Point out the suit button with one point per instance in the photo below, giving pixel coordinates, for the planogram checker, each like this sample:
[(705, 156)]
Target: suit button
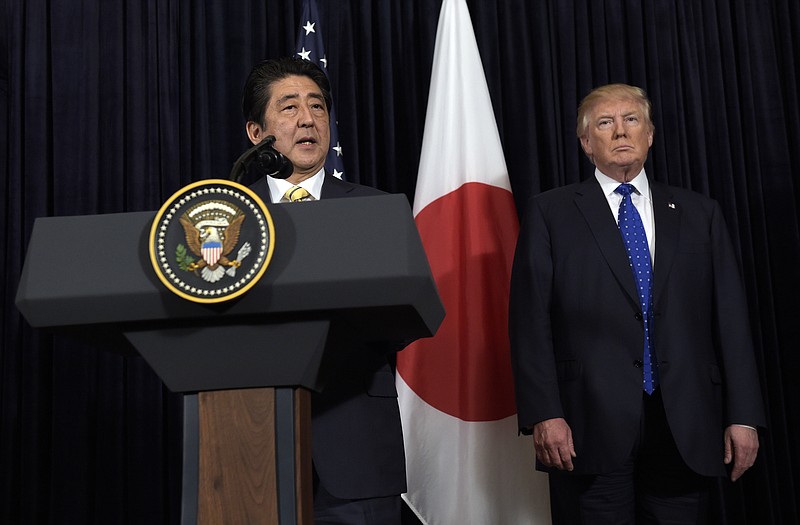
[(637, 364), (639, 316)]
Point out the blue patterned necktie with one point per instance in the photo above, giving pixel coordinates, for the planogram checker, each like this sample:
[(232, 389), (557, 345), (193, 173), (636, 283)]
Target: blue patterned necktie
[(632, 229)]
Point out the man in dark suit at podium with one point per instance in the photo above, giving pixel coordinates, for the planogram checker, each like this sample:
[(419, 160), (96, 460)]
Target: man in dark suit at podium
[(357, 440)]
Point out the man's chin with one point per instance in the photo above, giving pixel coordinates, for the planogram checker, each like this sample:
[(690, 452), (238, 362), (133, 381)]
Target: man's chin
[(307, 159), (628, 164), (303, 171)]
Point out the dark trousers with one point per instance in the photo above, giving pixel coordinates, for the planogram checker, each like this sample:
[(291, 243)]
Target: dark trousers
[(330, 510), (653, 486)]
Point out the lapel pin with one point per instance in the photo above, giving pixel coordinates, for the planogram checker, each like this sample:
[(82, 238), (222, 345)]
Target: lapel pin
[(671, 205)]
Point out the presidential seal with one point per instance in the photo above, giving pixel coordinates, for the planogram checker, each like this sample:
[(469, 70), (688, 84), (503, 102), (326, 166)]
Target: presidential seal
[(211, 241)]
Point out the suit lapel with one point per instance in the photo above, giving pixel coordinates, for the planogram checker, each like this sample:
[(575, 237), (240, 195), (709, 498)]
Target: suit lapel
[(333, 188), (261, 189), (593, 205), (666, 214)]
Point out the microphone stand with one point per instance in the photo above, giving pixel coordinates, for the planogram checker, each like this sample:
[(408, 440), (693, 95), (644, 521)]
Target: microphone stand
[(266, 159)]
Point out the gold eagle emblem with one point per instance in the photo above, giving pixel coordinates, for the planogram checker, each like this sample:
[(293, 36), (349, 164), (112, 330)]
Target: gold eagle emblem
[(212, 232)]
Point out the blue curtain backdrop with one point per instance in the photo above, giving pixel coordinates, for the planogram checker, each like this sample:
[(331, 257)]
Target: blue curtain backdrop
[(112, 105)]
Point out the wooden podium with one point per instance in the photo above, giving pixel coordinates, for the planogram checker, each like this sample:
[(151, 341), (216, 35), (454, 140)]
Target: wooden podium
[(343, 272)]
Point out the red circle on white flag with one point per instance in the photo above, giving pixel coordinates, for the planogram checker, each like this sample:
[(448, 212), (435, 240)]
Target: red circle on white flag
[(465, 369)]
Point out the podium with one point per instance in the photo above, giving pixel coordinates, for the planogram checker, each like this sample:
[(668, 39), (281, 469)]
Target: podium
[(344, 272)]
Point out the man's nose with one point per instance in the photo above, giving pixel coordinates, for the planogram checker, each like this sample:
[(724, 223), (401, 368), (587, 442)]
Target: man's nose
[(306, 119), (619, 128)]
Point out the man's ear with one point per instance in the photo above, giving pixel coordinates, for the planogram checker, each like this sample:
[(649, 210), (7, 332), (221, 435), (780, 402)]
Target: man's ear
[(587, 148), (254, 132)]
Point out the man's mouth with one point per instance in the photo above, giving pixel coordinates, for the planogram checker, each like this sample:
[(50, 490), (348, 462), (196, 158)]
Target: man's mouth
[(306, 141)]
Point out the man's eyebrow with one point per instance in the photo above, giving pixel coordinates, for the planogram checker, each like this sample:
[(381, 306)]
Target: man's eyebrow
[(290, 96), (293, 96), (611, 115)]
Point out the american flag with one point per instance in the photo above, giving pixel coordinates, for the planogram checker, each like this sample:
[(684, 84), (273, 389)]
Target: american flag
[(310, 47)]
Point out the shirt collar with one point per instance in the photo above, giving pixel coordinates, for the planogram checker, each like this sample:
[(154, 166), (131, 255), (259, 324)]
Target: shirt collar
[(608, 184), (313, 185)]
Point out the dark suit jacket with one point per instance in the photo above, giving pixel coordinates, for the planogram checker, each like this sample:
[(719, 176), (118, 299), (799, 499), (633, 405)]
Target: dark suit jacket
[(577, 335), (357, 440)]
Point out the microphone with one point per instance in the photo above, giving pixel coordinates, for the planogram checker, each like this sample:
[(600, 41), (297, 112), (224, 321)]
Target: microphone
[(265, 158)]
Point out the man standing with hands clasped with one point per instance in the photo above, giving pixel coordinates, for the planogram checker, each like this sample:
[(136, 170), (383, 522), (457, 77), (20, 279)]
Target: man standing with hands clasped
[(633, 359)]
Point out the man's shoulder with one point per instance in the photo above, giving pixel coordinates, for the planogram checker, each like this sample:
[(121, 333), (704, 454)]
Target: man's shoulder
[(260, 188), (334, 187), (571, 188), (687, 197), (568, 191)]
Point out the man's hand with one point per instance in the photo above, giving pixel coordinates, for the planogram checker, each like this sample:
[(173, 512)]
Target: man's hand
[(552, 440), (741, 447)]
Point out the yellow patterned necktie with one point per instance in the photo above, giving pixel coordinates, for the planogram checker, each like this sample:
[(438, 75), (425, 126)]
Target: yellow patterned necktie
[(297, 194)]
